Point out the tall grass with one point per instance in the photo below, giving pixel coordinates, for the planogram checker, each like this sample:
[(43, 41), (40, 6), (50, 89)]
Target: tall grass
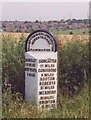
[(73, 94), (77, 107), (13, 62)]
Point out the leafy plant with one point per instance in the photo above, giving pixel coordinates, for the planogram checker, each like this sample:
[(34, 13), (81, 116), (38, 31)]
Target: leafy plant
[(13, 63), (73, 66), (73, 79)]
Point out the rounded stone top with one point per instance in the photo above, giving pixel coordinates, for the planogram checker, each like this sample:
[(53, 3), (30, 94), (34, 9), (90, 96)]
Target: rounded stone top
[(40, 41)]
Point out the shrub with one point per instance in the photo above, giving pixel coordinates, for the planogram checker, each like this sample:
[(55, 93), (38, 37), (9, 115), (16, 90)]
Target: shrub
[(73, 67), (71, 33), (13, 63)]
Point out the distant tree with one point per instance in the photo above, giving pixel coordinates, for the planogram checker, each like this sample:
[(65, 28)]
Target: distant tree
[(36, 21), (69, 21), (55, 21), (80, 21), (49, 22), (74, 21), (63, 21), (18, 30), (71, 33), (25, 22), (83, 32), (89, 31), (85, 21)]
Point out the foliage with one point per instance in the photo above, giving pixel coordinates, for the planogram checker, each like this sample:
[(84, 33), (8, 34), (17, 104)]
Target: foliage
[(71, 32), (13, 62), (73, 99), (15, 107), (73, 66)]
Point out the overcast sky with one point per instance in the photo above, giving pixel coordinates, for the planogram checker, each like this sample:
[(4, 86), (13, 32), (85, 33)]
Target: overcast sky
[(30, 11)]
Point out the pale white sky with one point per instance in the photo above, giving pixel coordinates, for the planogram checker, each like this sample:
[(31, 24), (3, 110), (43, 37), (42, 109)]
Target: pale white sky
[(44, 10), (45, 0)]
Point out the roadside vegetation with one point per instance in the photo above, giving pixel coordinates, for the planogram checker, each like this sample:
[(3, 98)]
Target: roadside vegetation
[(73, 81)]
